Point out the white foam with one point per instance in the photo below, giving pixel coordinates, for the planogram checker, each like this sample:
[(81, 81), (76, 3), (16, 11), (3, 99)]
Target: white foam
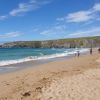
[(32, 58)]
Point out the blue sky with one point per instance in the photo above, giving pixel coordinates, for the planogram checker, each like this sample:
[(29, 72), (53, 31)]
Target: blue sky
[(48, 19)]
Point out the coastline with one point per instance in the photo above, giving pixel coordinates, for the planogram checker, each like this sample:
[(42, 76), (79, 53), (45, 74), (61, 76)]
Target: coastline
[(68, 79), (33, 63)]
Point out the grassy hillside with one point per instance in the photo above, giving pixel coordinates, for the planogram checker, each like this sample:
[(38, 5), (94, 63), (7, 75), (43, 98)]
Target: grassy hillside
[(60, 43)]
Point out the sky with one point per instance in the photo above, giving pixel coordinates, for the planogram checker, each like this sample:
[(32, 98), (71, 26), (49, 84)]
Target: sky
[(25, 20)]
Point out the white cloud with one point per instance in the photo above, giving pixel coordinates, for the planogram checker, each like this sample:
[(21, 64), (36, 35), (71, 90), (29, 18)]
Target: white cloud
[(96, 7), (62, 31), (89, 32), (3, 17), (55, 30), (10, 35), (82, 16), (26, 7), (46, 32), (23, 7)]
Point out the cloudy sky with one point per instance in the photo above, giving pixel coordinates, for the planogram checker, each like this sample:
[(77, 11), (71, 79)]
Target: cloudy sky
[(48, 19)]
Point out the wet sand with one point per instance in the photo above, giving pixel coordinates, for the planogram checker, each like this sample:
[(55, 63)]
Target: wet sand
[(69, 79)]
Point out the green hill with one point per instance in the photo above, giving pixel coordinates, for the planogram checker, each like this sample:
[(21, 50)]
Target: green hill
[(59, 43)]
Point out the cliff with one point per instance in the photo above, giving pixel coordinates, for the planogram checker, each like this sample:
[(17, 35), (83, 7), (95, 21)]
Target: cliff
[(60, 43)]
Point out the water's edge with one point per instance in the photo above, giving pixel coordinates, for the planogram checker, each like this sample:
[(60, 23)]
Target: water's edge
[(33, 63), (41, 57)]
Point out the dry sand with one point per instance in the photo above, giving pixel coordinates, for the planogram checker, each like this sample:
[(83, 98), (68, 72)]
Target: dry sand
[(71, 79)]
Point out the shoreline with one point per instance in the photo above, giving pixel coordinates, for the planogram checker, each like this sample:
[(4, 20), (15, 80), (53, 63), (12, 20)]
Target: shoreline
[(28, 64)]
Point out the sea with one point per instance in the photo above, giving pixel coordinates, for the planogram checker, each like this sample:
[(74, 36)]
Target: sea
[(11, 56)]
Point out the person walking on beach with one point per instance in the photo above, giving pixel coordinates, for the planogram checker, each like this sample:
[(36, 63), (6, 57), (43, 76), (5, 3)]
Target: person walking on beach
[(78, 53), (91, 51)]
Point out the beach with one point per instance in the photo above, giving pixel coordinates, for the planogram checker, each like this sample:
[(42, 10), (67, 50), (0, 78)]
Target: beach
[(76, 78), (49, 49)]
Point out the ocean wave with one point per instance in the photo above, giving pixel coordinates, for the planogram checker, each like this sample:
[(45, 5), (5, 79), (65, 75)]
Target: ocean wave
[(32, 58)]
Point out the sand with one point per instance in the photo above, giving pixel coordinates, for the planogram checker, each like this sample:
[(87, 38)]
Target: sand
[(70, 79)]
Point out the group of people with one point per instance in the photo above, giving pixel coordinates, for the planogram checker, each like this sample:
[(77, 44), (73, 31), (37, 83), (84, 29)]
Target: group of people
[(91, 51)]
